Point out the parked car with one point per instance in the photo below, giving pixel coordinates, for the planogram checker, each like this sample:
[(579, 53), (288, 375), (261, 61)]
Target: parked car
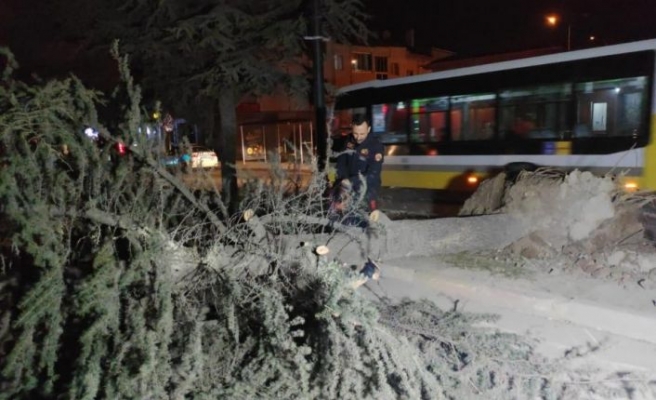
[(202, 157)]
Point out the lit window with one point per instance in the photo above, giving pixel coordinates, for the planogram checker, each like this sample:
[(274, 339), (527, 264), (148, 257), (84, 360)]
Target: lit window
[(361, 62)]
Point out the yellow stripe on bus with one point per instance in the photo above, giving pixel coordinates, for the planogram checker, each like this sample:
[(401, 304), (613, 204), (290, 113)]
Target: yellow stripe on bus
[(648, 181), (425, 179), (459, 181), (563, 147)]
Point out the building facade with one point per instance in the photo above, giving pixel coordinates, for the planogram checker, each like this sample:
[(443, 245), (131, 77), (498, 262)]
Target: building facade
[(346, 65), (284, 124)]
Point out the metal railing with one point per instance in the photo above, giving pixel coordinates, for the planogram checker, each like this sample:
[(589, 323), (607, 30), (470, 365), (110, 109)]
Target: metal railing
[(289, 141)]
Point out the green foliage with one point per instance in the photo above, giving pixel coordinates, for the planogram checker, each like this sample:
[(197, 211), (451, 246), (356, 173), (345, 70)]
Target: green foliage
[(82, 227), (94, 310), (119, 282)]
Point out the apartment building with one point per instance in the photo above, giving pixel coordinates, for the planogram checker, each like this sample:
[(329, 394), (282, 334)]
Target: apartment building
[(349, 64), (284, 124)]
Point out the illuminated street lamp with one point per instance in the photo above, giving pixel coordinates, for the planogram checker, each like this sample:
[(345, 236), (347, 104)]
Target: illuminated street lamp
[(553, 20)]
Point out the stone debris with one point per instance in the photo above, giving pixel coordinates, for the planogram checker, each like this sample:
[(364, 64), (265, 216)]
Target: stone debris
[(581, 222)]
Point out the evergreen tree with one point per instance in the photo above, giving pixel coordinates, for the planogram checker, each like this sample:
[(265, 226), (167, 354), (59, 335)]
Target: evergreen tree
[(214, 52), (117, 282)]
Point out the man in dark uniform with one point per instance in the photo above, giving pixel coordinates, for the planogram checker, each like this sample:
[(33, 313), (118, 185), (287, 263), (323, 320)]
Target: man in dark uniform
[(360, 163)]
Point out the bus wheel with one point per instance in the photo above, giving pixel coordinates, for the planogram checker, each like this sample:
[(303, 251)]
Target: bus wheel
[(513, 169)]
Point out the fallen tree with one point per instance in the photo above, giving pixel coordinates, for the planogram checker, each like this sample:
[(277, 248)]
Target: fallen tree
[(120, 282)]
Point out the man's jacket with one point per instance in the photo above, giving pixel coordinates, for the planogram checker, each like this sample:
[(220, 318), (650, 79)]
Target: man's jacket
[(365, 158)]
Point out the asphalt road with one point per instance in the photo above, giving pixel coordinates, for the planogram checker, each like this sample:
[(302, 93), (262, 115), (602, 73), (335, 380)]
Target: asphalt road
[(420, 203)]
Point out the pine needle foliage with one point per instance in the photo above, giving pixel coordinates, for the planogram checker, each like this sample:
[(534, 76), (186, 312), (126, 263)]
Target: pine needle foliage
[(118, 281)]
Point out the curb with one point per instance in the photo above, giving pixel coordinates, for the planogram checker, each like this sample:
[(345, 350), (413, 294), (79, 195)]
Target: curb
[(552, 306)]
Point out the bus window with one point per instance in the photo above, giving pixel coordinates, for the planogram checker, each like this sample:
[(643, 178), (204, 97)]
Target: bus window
[(473, 117), (389, 122), (611, 108), (539, 112), (428, 119)]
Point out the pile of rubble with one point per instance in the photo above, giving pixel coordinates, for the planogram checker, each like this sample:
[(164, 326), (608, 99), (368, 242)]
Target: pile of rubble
[(586, 223), (579, 222)]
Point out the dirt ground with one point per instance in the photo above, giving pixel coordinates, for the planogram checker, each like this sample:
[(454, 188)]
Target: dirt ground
[(563, 258)]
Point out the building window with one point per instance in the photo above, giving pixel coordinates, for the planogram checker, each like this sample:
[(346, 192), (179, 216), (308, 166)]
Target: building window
[(339, 62), (381, 76), (410, 72), (381, 64), (361, 61), (395, 69)]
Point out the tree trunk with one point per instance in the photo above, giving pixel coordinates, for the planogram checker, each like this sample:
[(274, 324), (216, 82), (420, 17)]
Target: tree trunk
[(226, 148), (208, 116)]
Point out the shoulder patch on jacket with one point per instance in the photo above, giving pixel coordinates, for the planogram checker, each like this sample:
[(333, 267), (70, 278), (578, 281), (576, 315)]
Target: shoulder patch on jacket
[(378, 156)]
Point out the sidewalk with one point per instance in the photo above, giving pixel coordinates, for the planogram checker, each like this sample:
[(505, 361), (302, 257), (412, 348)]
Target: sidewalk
[(564, 313), (397, 201), (261, 165)]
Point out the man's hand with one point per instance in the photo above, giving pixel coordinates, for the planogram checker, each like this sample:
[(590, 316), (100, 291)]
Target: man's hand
[(346, 184)]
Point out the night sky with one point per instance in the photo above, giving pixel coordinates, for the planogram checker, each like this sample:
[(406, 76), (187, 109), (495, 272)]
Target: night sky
[(466, 27), (474, 27)]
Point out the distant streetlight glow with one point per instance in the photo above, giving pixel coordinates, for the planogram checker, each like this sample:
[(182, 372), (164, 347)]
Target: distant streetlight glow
[(592, 38), (553, 20)]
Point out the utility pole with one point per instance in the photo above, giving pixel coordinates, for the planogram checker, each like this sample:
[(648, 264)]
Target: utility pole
[(320, 133)]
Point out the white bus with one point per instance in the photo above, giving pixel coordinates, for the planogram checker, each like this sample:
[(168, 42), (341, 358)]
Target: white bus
[(591, 109)]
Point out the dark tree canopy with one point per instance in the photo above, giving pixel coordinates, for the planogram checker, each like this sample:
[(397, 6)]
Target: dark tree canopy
[(206, 55)]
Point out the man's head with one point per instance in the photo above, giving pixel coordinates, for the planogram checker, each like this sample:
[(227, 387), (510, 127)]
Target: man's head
[(361, 127)]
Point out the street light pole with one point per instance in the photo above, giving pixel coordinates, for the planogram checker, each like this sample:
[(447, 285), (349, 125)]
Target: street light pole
[(553, 20), (321, 136)]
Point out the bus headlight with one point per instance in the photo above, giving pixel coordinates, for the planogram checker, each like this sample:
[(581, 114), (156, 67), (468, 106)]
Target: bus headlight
[(631, 186)]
